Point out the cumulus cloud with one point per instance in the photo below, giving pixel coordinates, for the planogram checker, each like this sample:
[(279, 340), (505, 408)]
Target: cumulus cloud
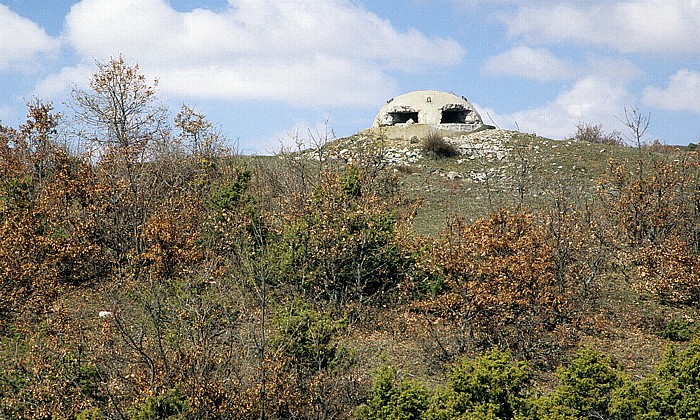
[(21, 40), (305, 52), (682, 93), (56, 85), (532, 63), (541, 65), (656, 26), (615, 69), (301, 135), (590, 99)]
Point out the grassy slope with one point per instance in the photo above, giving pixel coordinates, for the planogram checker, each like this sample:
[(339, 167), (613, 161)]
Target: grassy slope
[(527, 169)]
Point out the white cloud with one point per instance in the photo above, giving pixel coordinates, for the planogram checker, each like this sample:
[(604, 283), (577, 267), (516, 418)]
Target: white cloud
[(658, 26), (304, 52), (618, 70), (58, 85), (682, 93), (538, 64), (21, 40), (590, 99), (321, 81), (302, 135)]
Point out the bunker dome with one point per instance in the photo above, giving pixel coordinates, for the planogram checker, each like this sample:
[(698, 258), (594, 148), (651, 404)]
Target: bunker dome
[(441, 110)]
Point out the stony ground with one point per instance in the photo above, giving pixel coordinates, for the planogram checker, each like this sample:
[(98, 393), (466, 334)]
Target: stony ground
[(494, 168)]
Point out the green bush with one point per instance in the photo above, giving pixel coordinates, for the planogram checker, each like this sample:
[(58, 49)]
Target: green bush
[(15, 193), (89, 414), (307, 337), (229, 196), (677, 330), (88, 378), (681, 373), (587, 384), (489, 387), (170, 405), (342, 243), (351, 182), (406, 400), (672, 393), (647, 399)]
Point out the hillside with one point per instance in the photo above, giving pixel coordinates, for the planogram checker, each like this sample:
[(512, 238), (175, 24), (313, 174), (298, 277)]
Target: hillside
[(495, 169), (156, 274)]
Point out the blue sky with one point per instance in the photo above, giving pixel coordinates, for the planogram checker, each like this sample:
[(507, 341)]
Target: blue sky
[(266, 70)]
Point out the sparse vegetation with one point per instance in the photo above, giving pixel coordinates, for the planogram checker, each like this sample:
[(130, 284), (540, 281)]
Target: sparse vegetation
[(437, 147), (153, 273), (594, 133)]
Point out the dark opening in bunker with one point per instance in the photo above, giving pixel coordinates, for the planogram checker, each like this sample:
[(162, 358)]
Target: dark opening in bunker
[(403, 117), (454, 116)]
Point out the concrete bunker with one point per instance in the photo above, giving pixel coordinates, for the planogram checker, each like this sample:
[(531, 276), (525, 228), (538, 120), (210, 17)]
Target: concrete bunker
[(454, 115), (440, 110), (402, 115)]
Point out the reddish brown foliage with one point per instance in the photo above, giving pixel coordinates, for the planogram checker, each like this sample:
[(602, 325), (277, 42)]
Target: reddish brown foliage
[(502, 283)]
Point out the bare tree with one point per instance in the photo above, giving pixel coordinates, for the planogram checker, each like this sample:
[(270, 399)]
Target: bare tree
[(638, 124), (120, 119), (200, 136), (120, 110)]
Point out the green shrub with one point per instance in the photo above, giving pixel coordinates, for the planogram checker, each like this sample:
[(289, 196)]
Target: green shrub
[(351, 182), (307, 337), (15, 193), (170, 405), (647, 399), (591, 387), (88, 380), (406, 400), (587, 383), (681, 372), (235, 224), (229, 196), (342, 243), (678, 330), (89, 414), (489, 387), (672, 393)]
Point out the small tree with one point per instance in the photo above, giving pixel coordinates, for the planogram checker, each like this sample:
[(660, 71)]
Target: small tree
[(119, 118), (638, 125), (502, 285), (201, 137), (120, 110)]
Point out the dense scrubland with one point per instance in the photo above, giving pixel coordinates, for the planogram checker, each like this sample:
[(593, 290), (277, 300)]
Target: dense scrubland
[(147, 271)]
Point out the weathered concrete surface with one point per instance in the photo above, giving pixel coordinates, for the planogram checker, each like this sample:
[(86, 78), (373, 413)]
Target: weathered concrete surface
[(405, 132)]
